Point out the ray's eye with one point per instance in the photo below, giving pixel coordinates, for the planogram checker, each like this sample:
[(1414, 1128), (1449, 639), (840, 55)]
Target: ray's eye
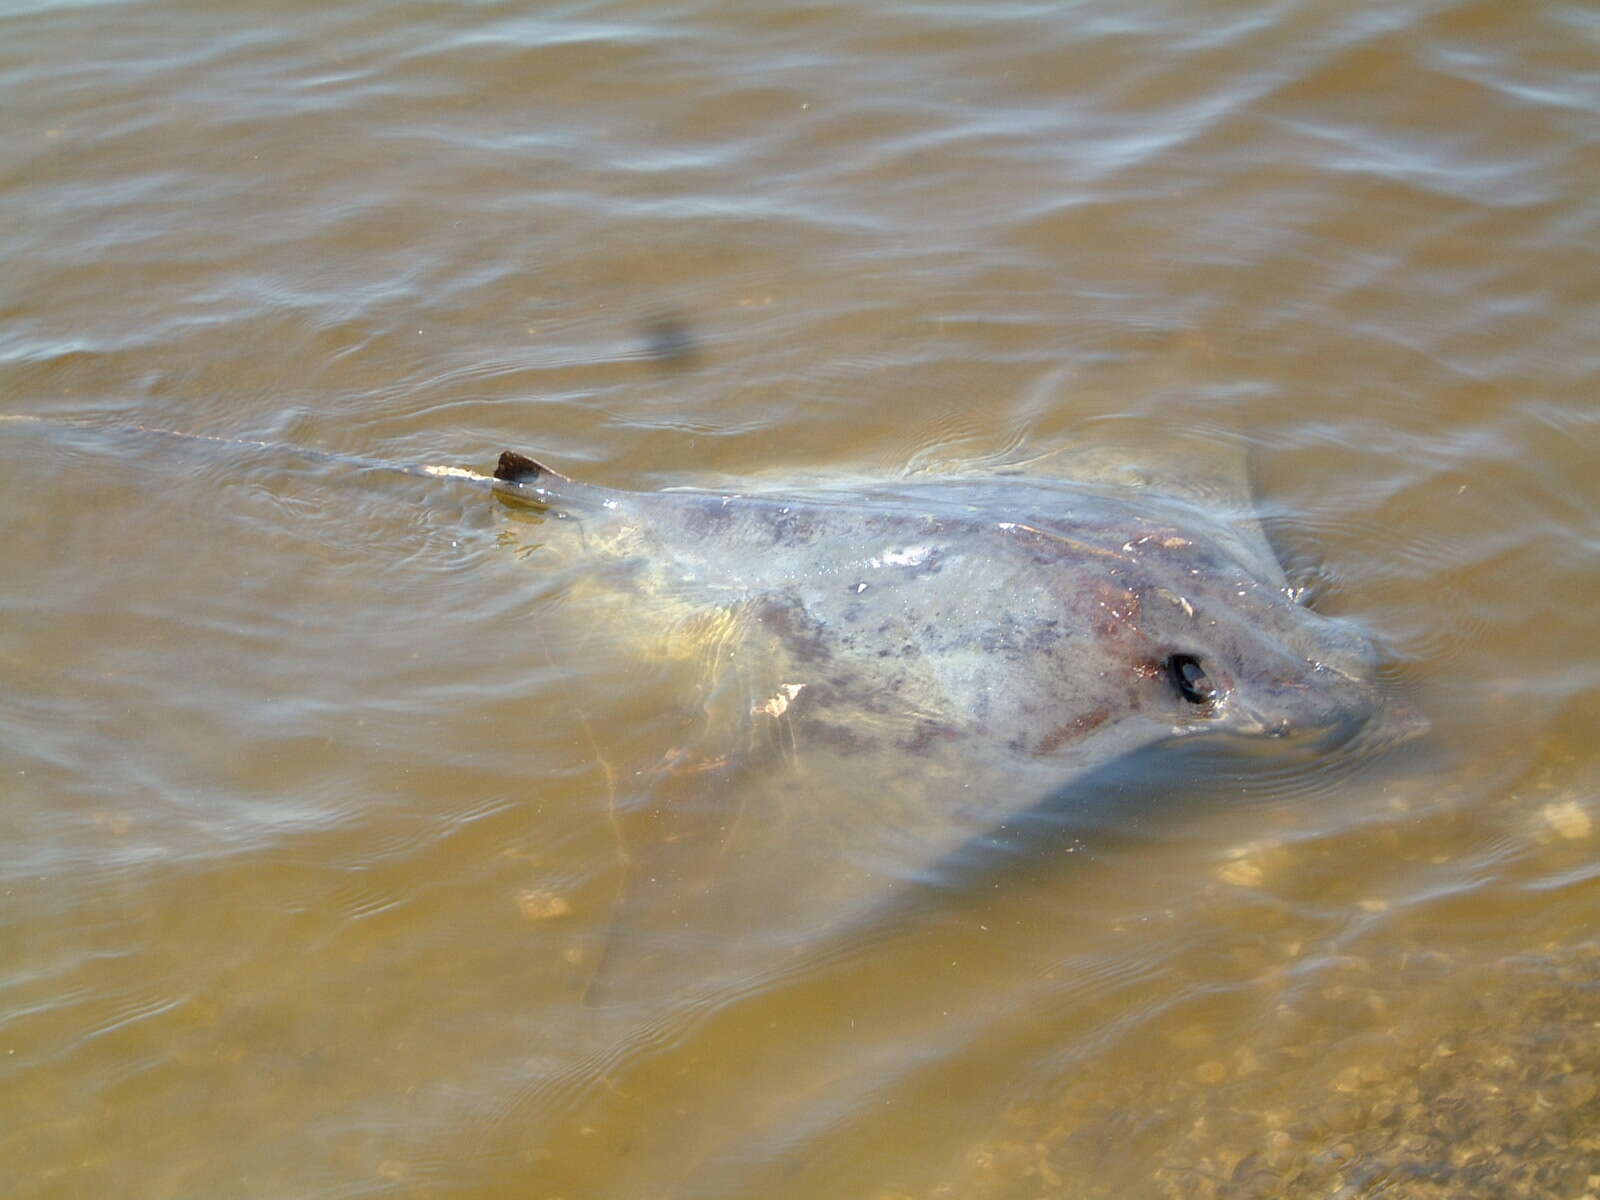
[(1191, 679)]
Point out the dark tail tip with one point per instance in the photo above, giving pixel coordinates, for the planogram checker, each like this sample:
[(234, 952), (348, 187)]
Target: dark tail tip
[(518, 468)]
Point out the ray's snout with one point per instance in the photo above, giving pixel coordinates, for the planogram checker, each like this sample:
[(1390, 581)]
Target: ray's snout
[(1326, 714), (1365, 703), (1331, 692)]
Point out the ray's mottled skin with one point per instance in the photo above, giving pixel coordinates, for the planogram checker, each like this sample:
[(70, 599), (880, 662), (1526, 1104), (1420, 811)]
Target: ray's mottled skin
[(1020, 612)]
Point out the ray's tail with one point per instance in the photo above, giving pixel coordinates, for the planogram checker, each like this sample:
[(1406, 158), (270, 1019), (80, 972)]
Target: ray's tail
[(516, 478), (126, 429)]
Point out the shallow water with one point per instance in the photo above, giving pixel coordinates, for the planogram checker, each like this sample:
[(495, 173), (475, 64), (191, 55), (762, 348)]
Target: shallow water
[(306, 855)]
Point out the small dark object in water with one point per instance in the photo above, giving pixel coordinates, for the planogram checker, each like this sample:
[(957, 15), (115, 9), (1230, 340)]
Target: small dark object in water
[(669, 339)]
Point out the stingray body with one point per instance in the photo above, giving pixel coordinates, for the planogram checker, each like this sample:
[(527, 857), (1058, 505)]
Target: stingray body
[(906, 668)]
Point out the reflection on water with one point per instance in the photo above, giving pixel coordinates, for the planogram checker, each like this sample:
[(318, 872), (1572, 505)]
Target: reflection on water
[(308, 847)]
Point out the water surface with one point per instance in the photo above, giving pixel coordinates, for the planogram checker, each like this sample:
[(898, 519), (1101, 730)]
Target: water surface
[(306, 854)]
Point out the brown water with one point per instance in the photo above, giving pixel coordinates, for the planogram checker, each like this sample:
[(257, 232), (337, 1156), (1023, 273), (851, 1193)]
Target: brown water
[(305, 847)]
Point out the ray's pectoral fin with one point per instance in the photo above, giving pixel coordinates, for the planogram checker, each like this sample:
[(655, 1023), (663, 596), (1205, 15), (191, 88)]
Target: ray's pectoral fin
[(1215, 474), (688, 832), (1210, 470), (806, 792), (668, 921), (745, 866)]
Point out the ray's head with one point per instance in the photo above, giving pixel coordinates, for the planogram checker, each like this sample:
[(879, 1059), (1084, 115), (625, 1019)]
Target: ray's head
[(1223, 645)]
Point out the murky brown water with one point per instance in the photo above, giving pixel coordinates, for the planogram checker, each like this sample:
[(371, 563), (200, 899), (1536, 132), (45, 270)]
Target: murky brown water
[(305, 849)]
